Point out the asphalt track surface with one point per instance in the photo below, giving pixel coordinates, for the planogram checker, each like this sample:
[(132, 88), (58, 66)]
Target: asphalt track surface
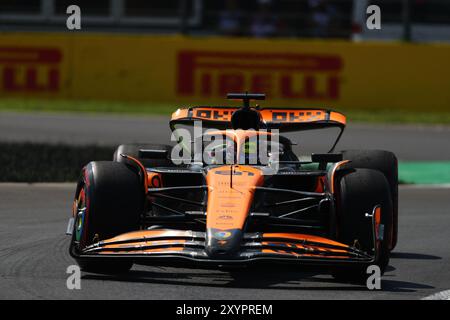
[(34, 258), (408, 142)]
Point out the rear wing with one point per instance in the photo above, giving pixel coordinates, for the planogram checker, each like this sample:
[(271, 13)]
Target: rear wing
[(284, 119)]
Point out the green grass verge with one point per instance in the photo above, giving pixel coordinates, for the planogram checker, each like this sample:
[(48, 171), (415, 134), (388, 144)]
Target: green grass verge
[(424, 172), (89, 106), (400, 117), (31, 162)]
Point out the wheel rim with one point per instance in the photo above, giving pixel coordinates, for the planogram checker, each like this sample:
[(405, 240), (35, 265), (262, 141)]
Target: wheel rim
[(81, 215)]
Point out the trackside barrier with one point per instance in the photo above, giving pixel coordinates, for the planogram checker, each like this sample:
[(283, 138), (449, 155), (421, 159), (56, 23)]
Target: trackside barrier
[(180, 70)]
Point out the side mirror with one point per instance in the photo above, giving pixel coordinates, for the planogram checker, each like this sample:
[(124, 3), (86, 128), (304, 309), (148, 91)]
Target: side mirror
[(152, 154)]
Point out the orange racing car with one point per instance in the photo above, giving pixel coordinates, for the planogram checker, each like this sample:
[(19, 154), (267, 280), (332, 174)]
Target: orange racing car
[(237, 194)]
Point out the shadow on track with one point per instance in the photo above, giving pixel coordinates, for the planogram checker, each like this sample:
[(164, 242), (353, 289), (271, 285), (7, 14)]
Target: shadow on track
[(413, 256), (253, 279), (402, 286)]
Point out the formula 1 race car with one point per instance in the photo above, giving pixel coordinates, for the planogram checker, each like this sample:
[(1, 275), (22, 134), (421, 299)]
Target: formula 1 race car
[(237, 194)]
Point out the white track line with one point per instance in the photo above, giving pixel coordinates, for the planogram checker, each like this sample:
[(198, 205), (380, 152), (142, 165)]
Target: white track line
[(443, 295)]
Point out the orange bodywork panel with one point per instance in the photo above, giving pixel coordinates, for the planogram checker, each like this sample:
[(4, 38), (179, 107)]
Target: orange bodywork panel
[(300, 237), (150, 234), (333, 173), (230, 195), (287, 237), (156, 250), (268, 115), (180, 114), (154, 180), (292, 115), (231, 188), (377, 213), (272, 251), (338, 117), (173, 239), (168, 241)]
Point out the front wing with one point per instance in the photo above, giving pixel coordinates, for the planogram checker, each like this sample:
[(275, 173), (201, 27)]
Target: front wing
[(162, 246)]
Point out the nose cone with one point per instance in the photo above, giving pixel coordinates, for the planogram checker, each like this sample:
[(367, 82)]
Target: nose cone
[(230, 195), (223, 244)]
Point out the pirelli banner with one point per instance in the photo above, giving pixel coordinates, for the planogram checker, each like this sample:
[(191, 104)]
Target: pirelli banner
[(184, 70)]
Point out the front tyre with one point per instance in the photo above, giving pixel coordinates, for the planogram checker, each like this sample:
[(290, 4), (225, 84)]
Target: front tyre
[(108, 201), (358, 192), (385, 162)]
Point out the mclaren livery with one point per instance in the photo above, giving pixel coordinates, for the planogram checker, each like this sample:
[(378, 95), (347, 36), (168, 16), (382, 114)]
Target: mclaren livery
[(337, 209)]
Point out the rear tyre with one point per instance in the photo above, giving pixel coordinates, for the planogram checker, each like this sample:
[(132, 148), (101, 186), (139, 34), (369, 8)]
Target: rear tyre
[(358, 192), (387, 163), (133, 151), (113, 198)]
